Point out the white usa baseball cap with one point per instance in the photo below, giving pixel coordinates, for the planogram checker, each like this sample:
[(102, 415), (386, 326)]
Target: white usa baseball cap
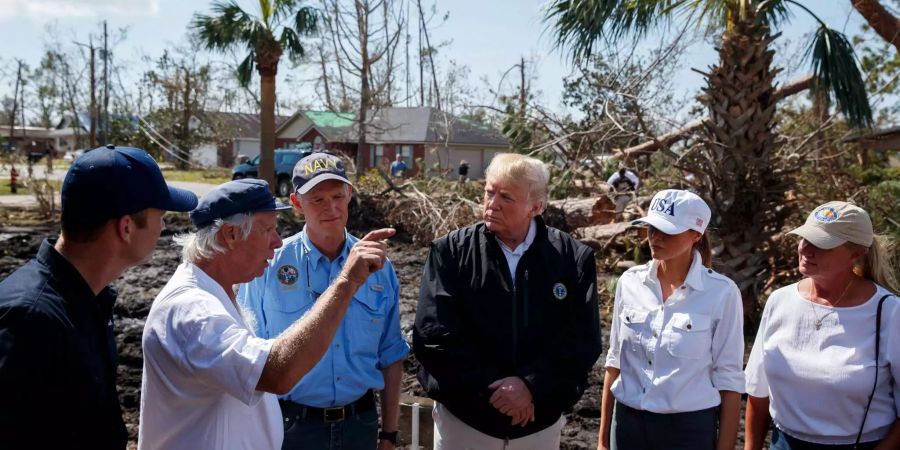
[(673, 212)]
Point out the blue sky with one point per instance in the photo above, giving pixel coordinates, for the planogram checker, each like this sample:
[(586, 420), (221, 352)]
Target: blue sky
[(488, 36)]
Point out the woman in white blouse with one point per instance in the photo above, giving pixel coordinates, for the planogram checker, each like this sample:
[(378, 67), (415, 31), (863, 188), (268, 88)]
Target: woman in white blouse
[(813, 368), (673, 370)]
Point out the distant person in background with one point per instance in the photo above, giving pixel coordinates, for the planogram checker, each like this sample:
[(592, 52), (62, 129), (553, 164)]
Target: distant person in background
[(676, 346), (624, 183), (58, 356), (825, 366), (463, 171), (398, 167)]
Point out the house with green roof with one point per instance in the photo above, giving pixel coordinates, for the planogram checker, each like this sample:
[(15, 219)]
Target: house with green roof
[(439, 139)]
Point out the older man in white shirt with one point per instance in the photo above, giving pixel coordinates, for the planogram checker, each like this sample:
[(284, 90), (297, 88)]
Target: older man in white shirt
[(208, 381)]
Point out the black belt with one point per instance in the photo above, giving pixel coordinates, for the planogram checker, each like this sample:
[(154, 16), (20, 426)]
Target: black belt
[(365, 403)]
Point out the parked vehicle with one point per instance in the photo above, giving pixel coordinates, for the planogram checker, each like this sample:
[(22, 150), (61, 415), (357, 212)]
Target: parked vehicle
[(285, 159)]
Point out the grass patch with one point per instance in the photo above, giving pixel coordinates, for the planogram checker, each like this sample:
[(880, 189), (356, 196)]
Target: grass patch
[(210, 176), (23, 187)]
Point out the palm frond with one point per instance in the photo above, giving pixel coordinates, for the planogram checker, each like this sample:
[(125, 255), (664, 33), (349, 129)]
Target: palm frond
[(266, 13), (252, 35), (774, 13), (306, 21), (244, 71), (282, 10), (580, 24), (836, 73), (708, 15), (290, 42), (224, 28)]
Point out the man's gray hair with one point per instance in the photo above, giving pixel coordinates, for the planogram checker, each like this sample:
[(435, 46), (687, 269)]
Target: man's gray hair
[(202, 245), (522, 170)]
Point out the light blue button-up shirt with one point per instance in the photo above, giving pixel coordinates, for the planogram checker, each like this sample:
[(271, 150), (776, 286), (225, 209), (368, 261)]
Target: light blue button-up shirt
[(368, 339)]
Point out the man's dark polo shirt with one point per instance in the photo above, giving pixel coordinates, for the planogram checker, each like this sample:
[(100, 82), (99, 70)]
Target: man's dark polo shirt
[(57, 359)]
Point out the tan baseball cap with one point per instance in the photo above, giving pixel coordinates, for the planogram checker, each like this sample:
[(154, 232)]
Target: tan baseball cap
[(836, 223)]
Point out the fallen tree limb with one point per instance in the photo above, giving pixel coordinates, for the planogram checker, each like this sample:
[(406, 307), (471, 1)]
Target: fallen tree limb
[(672, 137)]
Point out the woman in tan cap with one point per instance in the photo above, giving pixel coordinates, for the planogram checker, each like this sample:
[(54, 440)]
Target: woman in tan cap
[(825, 366)]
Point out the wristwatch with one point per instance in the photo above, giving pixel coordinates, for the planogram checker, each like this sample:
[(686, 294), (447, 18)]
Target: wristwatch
[(391, 436)]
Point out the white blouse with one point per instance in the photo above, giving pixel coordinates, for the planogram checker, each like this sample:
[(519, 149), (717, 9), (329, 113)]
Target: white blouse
[(818, 380), (675, 356)]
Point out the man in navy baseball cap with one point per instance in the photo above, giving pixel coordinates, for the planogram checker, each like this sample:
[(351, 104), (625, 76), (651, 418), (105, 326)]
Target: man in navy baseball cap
[(56, 311), (316, 168), (111, 182)]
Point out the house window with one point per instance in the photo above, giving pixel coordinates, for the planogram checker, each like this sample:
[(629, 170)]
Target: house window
[(317, 143), (406, 152), (376, 155)]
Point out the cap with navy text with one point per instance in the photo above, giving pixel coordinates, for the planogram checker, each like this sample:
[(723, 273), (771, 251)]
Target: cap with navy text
[(316, 168)]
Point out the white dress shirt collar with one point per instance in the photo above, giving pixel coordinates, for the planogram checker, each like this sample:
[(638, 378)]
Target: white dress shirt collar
[(694, 277)]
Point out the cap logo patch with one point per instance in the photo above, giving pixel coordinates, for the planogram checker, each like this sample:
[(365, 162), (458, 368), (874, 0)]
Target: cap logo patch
[(826, 214), (662, 205), (559, 291), (699, 222), (288, 274), (319, 164)]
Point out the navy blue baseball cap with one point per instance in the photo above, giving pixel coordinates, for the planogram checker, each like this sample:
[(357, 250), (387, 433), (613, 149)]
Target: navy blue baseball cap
[(247, 195), (316, 168), (111, 182)]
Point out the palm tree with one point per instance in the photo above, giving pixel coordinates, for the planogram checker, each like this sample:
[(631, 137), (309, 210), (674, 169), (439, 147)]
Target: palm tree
[(740, 174), (230, 27)]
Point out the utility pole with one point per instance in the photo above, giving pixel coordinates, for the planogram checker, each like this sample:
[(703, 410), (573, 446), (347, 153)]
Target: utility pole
[(105, 121), (12, 117), (522, 90), (93, 78)]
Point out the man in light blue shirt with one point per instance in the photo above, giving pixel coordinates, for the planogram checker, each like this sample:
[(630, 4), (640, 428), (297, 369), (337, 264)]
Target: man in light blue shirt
[(332, 406), (398, 167)]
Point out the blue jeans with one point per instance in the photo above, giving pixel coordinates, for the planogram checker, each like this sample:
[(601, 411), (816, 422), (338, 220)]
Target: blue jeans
[(782, 441), (633, 429), (356, 432)]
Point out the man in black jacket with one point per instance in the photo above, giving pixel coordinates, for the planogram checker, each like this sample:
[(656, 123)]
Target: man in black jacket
[(507, 327)]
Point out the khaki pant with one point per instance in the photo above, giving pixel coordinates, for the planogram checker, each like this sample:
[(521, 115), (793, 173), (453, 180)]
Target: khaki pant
[(450, 433)]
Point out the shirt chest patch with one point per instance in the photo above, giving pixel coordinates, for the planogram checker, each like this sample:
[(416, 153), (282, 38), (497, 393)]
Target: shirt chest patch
[(559, 291), (377, 287), (288, 275)]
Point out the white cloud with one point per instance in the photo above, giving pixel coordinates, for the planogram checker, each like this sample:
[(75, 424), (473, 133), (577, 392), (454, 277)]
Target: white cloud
[(48, 9)]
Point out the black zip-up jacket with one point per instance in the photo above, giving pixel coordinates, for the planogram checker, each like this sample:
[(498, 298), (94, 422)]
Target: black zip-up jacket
[(473, 327)]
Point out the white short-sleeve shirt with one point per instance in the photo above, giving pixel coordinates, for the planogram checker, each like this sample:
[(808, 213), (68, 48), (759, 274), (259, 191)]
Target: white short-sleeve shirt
[(818, 380), (201, 367), (675, 356)]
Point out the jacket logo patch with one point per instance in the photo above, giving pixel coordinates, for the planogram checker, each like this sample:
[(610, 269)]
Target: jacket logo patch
[(288, 274), (559, 291)]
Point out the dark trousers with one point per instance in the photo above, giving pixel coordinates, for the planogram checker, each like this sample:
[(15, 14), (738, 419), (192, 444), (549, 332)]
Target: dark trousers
[(633, 429), (782, 441), (307, 430)]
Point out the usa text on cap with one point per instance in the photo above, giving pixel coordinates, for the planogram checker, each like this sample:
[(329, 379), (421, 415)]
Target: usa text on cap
[(674, 211)]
